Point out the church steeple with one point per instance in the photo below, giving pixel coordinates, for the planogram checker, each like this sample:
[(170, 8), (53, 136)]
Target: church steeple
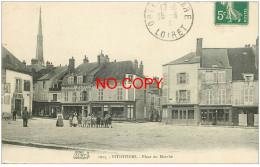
[(39, 49)]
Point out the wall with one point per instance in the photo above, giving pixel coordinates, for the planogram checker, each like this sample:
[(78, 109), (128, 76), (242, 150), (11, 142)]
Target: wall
[(238, 93), (215, 86), (192, 70)]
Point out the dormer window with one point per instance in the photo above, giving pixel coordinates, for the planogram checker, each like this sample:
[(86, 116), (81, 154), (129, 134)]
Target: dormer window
[(70, 80), (248, 77), (79, 79)]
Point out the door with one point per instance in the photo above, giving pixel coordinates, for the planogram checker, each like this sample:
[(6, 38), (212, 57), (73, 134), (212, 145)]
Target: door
[(250, 119), (18, 107)]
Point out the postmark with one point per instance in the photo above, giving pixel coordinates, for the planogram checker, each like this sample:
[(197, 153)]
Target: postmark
[(231, 13), (168, 21)]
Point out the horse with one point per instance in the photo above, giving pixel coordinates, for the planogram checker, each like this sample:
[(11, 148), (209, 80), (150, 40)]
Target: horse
[(108, 121)]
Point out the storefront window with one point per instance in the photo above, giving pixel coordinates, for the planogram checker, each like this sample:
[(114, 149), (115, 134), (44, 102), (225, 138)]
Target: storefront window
[(191, 114), (184, 114), (174, 114), (180, 114), (118, 112)]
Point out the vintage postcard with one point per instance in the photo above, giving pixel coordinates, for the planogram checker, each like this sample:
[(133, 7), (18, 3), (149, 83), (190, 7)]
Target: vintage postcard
[(130, 82)]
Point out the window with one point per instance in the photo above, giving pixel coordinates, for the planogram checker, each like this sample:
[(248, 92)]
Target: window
[(182, 78), (80, 80), (26, 85), (144, 96), (43, 84), (100, 94), (221, 96), (215, 77), (7, 99), (174, 114), (248, 77), (248, 95), (80, 96), (182, 96), (184, 114), (119, 94), (7, 88), (131, 77), (71, 80), (209, 96), (180, 112), (74, 96), (44, 96), (222, 77), (66, 97), (54, 97), (209, 77), (190, 114), (18, 85), (85, 96)]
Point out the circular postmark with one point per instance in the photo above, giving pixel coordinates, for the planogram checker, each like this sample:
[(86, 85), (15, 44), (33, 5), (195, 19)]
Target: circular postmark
[(168, 21)]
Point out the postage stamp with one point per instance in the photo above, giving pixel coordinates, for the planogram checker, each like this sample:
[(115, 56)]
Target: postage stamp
[(168, 21), (231, 13)]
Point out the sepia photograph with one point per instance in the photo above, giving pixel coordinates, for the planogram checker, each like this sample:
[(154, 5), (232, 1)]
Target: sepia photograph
[(130, 82)]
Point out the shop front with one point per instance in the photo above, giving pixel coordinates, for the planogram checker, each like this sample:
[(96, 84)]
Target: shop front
[(46, 109), (216, 115), (118, 110)]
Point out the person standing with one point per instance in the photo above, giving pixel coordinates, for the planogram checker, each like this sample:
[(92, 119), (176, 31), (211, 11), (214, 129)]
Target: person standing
[(75, 119), (25, 116), (59, 120), (14, 115), (88, 121), (80, 120)]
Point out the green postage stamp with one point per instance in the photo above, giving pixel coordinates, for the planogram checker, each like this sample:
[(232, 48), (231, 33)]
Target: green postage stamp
[(231, 13)]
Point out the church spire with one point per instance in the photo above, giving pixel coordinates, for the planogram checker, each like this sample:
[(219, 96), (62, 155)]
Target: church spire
[(39, 49)]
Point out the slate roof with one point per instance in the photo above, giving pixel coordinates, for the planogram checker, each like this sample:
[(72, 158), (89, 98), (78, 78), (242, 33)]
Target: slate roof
[(37, 67), (242, 61), (87, 68), (9, 61), (58, 72), (117, 70), (190, 58), (214, 56)]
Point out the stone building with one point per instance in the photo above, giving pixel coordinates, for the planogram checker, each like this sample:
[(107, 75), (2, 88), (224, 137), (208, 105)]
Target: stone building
[(16, 84), (211, 86), (80, 93)]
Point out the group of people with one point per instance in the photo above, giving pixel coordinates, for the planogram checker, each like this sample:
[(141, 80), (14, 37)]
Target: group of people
[(90, 121)]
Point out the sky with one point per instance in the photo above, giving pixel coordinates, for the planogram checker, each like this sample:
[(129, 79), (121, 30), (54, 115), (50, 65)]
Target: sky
[(118, 28)]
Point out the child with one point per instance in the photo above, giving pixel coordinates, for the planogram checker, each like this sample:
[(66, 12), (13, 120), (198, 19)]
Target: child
[(80, 120), (70, 119), (84, 121), (88, 121)]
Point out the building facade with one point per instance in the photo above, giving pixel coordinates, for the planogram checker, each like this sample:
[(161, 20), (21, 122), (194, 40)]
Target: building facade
[(16, 84), (211, 86), (80, 93)]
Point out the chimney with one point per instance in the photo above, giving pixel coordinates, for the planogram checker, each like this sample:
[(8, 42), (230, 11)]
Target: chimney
[(71, 65), (85, 60), (102, 58), (24, 62), (49, 64), (199, 49), (136, 65), (141, 68)]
